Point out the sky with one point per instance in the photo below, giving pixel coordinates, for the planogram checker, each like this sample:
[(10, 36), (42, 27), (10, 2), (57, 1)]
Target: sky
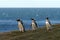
[(29, 3)]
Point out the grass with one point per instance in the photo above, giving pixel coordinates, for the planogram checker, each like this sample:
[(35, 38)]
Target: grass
[(39, 34)]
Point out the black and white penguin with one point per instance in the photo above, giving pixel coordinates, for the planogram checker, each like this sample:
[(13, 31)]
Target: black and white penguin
[(48, 24), (20, 25), (34, 24)]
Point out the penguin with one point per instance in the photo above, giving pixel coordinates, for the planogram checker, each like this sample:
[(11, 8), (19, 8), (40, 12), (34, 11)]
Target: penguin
[(20, 25), (48, 24), (34, 24)]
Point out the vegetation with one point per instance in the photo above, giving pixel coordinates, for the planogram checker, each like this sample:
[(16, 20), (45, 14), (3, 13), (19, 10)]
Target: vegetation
[(39, 34)]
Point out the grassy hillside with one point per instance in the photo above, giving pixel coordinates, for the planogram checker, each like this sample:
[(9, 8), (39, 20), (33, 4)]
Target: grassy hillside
[(39, 34)]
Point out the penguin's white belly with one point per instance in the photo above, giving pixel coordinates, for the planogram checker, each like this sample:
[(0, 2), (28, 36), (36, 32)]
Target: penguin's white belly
[(47, 22), (48, 26), (20, 26), (33, 26)]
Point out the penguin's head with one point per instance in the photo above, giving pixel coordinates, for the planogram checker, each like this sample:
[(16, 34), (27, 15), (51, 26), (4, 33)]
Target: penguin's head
[(18, 20), (47, 18), (33, 19)]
